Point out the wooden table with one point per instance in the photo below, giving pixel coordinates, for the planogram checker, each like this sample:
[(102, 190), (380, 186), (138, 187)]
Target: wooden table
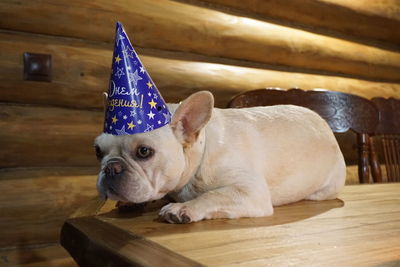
[(361, 228)]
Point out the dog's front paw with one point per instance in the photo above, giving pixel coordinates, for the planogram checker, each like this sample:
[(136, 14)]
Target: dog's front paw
[(176, 213)]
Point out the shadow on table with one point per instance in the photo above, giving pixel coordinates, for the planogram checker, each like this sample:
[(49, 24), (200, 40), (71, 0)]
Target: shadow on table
[(394, 263), (144, 220)]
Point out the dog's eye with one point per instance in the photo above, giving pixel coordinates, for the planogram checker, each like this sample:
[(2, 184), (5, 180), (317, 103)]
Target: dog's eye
[(99, 153), (144, 152)]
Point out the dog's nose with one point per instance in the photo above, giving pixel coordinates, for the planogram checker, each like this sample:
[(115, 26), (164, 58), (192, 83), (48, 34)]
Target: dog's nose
[(113, 168)]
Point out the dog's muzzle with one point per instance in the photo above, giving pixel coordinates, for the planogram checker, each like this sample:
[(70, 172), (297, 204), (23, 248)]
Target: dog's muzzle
[(114, 168)]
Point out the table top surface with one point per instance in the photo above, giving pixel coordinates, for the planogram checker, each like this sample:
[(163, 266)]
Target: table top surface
[(360, 228)]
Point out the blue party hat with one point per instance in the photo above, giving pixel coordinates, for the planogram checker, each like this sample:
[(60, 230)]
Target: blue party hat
[(134, 104)]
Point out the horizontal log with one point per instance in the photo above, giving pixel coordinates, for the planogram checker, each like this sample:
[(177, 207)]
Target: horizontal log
[(379, 20), (226, 80), (45, 136), (36, 202), (41, 136), (81, 72), (171, 25), (384, 8)]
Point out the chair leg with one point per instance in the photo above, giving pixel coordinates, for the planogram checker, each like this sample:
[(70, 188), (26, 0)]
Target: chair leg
[(374, 162), (363, 153), (395, 157), (388, 167), (397, 148)]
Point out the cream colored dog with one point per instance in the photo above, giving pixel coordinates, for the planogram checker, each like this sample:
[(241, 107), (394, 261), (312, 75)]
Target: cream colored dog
[(224, 163)]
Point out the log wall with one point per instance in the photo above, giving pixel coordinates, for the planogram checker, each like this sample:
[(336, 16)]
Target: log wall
[(218, 45), (225, 46)]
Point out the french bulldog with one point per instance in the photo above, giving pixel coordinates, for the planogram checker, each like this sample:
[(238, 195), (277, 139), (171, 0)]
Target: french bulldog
[(223, 163)]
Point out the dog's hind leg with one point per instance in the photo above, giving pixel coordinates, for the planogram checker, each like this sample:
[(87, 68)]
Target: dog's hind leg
[(334, 184)]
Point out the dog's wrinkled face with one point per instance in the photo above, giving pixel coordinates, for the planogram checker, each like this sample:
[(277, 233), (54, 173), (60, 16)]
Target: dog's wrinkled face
[(146, 166), (140, 167)]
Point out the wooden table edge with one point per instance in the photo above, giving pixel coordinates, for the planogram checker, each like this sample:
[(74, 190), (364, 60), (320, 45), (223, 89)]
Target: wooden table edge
[(92, 242)]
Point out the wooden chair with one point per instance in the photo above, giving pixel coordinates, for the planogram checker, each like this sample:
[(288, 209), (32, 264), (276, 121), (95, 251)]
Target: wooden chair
[(341, 111), (387, 137)]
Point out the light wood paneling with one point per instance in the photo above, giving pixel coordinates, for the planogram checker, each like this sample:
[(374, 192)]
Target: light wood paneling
[(370, 20), (35, 202), (81, 72), (42, 136), (171, 25)]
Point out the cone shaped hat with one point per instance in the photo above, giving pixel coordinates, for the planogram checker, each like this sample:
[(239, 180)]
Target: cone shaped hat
[(134, 104)]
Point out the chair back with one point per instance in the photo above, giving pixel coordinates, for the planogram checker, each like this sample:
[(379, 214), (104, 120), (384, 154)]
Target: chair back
[(387, 137), (342, 111)]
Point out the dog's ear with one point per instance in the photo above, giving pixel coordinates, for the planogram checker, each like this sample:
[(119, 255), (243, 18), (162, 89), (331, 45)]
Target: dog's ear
[(191, 116)]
